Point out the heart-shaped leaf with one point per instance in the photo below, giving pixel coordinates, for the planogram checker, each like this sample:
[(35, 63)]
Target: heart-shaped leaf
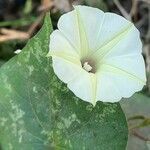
[(38, 112)]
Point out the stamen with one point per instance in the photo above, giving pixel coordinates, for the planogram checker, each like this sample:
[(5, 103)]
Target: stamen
[(87, 67)]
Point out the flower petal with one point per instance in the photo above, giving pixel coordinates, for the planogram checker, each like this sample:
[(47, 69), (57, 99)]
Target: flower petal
[(65, 70), (92, 21), (114, 83), (112, 87), (106, 88), (63, 49), (125, 43), (81, 27), (113, 29), (129, 64), (69, 27), (81, 86)]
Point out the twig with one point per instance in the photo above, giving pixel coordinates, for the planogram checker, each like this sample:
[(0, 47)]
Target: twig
[(12, 35), (146, 51), (46, 2), (35, 24), (135, 133), (63, 5), (146, 1), (122, 10), (138, 117), (8, 34), (148, 31), (145, 122), (45, 8), (46, 5), (55, 5), (133, 11)]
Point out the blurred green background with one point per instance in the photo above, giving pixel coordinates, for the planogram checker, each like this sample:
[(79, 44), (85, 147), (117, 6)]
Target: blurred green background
[(21, 19)]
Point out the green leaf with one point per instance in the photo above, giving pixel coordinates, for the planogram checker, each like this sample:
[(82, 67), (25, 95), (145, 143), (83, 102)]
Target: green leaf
[(28, 7), (38, 112)]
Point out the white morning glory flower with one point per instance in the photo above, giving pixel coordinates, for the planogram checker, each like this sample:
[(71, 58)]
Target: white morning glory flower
[(98, 55)]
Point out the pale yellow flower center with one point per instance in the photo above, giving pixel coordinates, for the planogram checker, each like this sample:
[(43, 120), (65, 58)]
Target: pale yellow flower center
[(87, 67)]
